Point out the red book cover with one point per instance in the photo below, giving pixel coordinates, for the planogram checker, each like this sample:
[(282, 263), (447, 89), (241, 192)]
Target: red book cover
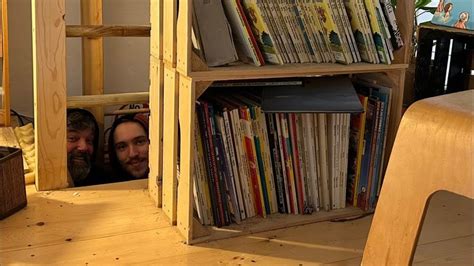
[(252, 163)]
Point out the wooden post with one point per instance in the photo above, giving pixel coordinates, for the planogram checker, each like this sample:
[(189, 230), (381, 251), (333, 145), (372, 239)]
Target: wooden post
[(186, 122), (5, 117), (49, 83), (184, 64), (93, 65), (170, 142), (155, 178)]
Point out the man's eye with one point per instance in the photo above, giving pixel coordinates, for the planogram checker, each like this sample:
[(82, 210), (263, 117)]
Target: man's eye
[(120, 147), (140, 142), (72, 138)]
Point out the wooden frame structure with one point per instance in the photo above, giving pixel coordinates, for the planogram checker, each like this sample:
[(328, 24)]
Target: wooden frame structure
[(5, 84), (49, 74), (186, 77), (175, 67)]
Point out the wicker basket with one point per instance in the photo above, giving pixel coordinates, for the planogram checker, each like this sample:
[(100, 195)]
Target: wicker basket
[(12, 182)]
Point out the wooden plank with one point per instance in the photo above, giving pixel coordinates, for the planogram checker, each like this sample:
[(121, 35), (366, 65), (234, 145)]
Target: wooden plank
[(128, 111), (246, 71), (5, 119), (404, 15), (96, 218), (184, 63), (185, 194), (170, 10), (49, 83), (434, 135), (93, 66), (170, 142), (98, 31), (156, 33), (107, 99), (155, 178)]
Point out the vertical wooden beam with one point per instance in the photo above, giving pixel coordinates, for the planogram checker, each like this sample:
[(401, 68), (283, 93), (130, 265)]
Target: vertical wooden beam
[(405, 18), (49, 84), (184, 64), (93, 64), (170, 141), (155, 178), (169, 31), (186, 122), (6, 66)]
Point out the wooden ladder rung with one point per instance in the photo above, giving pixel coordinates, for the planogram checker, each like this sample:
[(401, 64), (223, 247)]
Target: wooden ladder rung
[(95, 31), (107, 99)]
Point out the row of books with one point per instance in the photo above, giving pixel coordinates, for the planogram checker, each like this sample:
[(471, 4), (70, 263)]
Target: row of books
[(295, 31), (367, 144), (250, 163)]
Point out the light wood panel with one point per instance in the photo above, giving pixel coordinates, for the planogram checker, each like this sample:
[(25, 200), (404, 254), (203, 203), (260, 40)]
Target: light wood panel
[(170, 142), (246, 71), (93, 65), (432, 152), (96, 31), (156, 33), (183, 53), (96, 226), (107, 99), (186, 121), (49, 84), (155, 178), (170, 10), (5, 117)]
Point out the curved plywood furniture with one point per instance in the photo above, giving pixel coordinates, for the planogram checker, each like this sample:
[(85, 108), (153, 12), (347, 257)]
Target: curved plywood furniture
[(433, 151)]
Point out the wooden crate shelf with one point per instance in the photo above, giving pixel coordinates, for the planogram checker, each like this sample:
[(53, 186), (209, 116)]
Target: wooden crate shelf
[(186, 77), (271, 222), (246, 71)]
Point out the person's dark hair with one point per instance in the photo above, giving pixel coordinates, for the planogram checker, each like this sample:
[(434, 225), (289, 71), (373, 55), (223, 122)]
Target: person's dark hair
[(134, 118), (80, 119)]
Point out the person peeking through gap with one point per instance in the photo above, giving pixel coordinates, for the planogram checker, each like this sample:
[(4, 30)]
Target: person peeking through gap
[(128, 147), (82, 143)]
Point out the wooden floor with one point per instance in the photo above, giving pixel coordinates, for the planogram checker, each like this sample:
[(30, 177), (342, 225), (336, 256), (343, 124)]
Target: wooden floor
[(117, 223)]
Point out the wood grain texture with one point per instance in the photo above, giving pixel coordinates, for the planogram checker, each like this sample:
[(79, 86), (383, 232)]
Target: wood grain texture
[(187, 114), (432, 152), (94, 225), (170, 10), (183, 29), (99, 31), (170, 142), (107, 99), (155, 178), (93, 66), (246, 71), (156, 32), (49, 84), (5, 118)]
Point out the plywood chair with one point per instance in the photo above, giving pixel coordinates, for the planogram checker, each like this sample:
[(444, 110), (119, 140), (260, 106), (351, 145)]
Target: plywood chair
[(433, 151)]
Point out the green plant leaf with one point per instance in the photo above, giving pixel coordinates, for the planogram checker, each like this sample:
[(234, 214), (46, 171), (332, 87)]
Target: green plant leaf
[(421, 3)]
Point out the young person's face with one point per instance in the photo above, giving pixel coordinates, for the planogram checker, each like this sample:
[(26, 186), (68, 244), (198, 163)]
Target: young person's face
[(80, 147), (131, 146)]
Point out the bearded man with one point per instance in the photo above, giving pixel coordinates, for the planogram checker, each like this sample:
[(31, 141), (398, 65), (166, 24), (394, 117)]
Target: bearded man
[(82, 142)]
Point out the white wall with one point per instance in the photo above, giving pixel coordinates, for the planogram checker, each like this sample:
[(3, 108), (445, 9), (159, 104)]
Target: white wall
[(126, 59)]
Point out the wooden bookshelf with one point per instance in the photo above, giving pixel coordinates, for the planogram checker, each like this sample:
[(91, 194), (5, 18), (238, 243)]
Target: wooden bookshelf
[(185, 78)]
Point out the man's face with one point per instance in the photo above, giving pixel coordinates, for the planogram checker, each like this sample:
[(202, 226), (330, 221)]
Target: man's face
[(80, 147), (131, 146)]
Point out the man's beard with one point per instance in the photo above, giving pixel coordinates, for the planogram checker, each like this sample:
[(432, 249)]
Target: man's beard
[(133, 171), (79, 165)]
